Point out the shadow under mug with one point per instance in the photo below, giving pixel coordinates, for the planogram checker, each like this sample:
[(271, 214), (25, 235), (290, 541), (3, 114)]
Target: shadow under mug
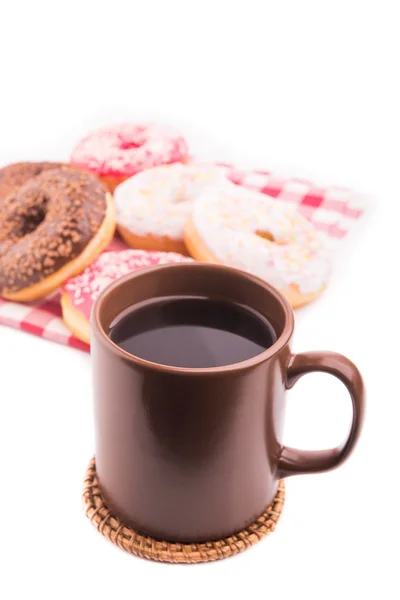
[(195, 455)]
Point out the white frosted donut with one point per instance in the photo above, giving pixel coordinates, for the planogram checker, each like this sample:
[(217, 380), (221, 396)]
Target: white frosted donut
[(153, 206), (253, 232)]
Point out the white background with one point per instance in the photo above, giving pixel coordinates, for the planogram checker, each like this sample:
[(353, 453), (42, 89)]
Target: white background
[(308, 88)]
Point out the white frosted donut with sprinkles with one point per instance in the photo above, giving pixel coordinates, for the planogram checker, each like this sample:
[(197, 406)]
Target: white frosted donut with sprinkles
[(153, 206), (79, 293), (118, 152), (253, 232)]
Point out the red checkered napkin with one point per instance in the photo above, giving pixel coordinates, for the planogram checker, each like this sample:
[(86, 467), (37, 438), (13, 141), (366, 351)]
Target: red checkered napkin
[(333, 211), (42, 318)]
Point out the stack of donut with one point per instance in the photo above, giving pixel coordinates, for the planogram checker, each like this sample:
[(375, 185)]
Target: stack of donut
[(56, 220)]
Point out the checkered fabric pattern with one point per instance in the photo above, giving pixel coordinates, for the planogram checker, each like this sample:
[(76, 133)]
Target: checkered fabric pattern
[(333, 211)]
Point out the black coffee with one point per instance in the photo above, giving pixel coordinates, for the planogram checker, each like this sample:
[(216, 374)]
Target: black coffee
[(194, 332)]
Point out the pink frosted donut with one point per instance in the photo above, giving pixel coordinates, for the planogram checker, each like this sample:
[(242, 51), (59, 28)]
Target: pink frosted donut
[(79, 293), (116, 153)]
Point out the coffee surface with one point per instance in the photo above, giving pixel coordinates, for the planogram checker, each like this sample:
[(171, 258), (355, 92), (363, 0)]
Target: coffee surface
[(192, 332)]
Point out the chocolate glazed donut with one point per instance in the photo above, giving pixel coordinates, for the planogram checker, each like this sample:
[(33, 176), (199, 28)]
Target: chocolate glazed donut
[(50, 229), (14, 176)]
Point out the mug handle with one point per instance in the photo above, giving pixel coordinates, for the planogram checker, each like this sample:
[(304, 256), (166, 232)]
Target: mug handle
[(296, 462)]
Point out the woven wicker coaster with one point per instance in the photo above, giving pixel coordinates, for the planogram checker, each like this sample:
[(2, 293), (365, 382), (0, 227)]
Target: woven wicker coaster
[(147, 547)]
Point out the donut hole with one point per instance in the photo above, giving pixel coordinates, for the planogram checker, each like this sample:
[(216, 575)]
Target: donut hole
[(32, 219), (129, 144), (267, 235)]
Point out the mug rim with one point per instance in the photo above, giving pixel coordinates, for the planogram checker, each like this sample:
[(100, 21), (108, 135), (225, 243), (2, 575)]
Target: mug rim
[(280, 343)]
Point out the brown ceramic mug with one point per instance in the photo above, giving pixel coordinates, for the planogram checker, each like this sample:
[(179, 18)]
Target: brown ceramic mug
[(196, 454)]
